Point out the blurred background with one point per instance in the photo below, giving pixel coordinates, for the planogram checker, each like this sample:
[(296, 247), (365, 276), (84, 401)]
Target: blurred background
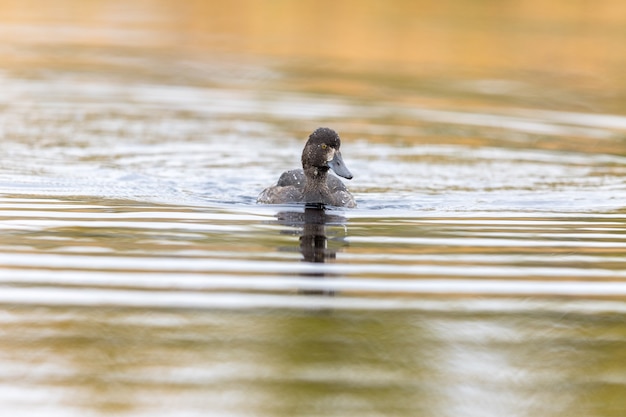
[(506, 75), (369, 49)]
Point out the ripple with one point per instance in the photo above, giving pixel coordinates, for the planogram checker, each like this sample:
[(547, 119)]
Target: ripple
[(194, 300)]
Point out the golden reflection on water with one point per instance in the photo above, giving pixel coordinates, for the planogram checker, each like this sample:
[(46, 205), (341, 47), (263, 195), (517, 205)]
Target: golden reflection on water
[(113, 349), (335, 363), (576, 39)]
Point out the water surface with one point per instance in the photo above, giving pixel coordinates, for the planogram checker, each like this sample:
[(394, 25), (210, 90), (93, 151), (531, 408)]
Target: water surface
[(482, 274)]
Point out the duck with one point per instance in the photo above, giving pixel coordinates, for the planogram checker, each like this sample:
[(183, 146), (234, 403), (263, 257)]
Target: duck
[(312, 184)]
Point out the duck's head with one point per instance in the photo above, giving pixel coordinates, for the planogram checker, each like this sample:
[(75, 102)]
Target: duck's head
[(322, 152)]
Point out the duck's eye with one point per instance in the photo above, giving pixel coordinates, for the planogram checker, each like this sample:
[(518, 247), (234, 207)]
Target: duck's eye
[(324, 146)]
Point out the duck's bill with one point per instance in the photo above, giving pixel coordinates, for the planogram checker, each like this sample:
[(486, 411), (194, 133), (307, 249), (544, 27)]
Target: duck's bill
[(338, 167)]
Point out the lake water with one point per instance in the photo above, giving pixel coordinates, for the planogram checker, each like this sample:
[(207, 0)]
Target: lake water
[(483, 272)]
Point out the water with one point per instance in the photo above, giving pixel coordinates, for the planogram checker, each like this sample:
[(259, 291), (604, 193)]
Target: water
[(482, 274)]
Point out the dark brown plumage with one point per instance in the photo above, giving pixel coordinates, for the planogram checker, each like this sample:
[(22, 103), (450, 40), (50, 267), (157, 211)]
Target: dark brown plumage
[(312, 184)]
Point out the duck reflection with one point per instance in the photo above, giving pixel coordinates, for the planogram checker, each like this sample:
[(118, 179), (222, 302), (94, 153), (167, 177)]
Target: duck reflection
[(322, 235)]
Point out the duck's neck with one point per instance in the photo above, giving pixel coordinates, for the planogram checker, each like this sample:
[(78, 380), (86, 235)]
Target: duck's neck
[(315, 188)]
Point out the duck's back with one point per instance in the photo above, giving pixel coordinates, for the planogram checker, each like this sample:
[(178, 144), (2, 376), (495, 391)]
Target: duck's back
[(294, 178), (290, 186)]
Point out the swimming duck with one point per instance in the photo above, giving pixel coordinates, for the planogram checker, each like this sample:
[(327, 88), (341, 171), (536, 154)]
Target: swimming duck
[(311, 184)]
